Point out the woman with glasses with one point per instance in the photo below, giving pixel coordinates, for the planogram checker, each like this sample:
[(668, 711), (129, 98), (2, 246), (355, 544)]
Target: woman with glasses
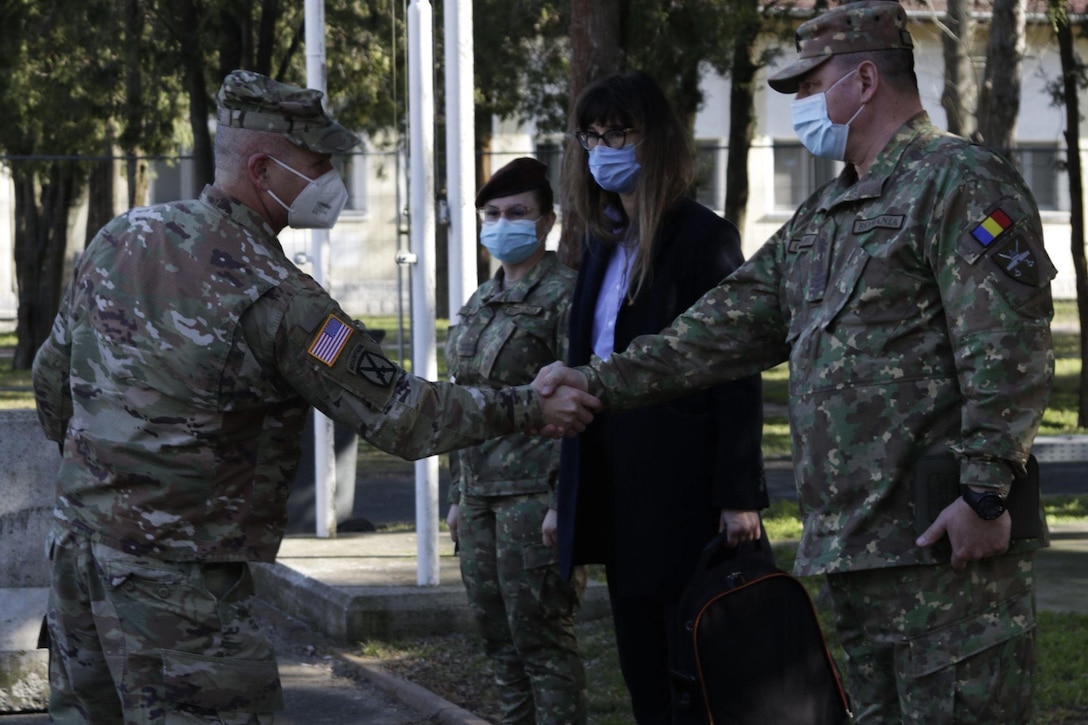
[(643, 491), (502, 493)]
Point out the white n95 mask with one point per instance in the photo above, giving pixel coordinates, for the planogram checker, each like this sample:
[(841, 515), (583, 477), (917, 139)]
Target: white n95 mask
[(319, 204)]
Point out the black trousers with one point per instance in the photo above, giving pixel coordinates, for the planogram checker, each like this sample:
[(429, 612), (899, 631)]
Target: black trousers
[(643, 627)]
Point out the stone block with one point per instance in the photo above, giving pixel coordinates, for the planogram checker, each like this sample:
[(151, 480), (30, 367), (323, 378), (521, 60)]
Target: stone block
[(24, 669), (28, 468)]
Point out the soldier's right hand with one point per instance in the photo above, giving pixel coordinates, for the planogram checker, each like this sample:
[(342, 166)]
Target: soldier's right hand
[(568, 411), (556, 374)]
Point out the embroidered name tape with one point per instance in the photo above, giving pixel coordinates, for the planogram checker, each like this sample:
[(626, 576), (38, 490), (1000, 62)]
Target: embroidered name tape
[(991, 227), (884, 221), (330, 342)]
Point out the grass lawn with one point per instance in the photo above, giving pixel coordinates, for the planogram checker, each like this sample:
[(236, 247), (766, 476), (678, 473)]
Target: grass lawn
[(454, 665)]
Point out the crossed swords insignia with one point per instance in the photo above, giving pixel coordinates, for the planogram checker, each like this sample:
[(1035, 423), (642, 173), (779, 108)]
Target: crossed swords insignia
[(1014, 258)]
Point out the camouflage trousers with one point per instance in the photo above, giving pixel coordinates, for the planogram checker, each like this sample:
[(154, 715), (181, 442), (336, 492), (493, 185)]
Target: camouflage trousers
[(524, 609), (139, 641), (929, 644)]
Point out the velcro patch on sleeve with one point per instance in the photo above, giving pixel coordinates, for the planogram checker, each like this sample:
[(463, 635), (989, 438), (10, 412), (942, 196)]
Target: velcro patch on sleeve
[(371, 365), (1016, 259), (992, 227), (330, 340)]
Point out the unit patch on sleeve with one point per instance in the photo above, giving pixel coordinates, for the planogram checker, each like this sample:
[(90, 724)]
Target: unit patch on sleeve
[(371, 365), (330, 340), (991, 227), (1016, 258)]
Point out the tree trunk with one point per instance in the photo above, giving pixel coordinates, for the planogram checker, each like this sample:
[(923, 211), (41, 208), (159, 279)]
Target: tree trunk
[(41, 239), (999, 99), (1071, 70), (959, 73), (134, 97), (266, 35), (596, 50), (741, 121), (101, 187), (484, 169), (596, 42), (203, 163)]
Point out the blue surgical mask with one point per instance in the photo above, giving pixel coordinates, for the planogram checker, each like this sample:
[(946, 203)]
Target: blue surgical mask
[(614, 169), (814, 127), (510, 241)]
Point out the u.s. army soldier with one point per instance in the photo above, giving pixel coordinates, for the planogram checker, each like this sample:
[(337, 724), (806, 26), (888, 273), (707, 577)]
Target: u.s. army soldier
[(911, 297), (177, 379)]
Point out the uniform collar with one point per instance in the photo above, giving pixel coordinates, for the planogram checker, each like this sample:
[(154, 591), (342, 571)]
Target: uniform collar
[(519, 290), (849, 187), (238, 212)]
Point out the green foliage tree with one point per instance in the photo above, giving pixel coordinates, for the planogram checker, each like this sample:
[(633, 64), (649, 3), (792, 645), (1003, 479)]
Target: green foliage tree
[(86, 81), (62, 81), (1066, 91), (521, 54), (677, 43)]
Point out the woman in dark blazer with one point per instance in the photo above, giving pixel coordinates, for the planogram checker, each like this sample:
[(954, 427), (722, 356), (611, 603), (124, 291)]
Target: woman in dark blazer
[(643, 491)]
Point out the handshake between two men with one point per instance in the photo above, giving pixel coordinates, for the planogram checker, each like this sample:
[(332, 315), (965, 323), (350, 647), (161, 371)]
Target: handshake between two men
[(568, 406)]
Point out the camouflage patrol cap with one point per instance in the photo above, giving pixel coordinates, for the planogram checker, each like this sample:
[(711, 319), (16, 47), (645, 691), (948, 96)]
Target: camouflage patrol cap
[(860, 26), (254, 101)]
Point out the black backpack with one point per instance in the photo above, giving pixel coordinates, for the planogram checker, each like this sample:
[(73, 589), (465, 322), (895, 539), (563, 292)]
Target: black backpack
[(748, 646)]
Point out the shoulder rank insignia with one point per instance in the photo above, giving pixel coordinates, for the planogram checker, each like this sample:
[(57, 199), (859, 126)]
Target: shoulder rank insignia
[(330, 341), (991, 227)]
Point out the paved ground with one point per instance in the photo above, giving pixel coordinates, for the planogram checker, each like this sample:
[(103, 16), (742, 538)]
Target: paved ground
[(325, 686)]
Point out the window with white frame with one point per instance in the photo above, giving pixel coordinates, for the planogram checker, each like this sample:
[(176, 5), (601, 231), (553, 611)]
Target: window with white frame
[(1040, 167), (353, 170), (710, 162), (797, 173)]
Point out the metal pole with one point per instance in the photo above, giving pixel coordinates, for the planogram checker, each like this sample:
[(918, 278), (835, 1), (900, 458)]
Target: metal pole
[(460, 150), (422, 213), (324, 438)]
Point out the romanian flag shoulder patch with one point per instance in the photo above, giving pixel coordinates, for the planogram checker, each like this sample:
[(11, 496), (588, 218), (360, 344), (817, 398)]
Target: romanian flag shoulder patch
[(330, 340), (990, 228)]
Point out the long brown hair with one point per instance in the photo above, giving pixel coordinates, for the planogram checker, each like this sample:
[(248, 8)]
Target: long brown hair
[(631, 100)]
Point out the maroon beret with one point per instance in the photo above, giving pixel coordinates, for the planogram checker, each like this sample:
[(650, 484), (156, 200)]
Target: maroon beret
[(520, 175)]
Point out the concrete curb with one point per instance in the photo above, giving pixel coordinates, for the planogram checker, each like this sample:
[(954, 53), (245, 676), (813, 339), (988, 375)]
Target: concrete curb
[(414, 696)]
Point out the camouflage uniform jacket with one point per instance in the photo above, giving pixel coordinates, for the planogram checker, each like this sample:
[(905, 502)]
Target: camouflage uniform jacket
[(913, 306), (504, 337), (179, 372)]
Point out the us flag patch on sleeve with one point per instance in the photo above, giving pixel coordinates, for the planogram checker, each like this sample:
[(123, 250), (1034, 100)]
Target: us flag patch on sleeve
[(330, 341)]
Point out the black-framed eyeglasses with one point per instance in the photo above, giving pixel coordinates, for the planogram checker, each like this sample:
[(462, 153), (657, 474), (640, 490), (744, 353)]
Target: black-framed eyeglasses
[(491, 214), (613, 138)]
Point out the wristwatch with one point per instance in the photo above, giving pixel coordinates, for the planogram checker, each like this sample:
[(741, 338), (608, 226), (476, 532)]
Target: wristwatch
[(988, 504)]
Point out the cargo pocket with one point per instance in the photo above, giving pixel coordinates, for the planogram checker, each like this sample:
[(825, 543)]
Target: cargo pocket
[(555, 597), (959, 669), (218, 684)]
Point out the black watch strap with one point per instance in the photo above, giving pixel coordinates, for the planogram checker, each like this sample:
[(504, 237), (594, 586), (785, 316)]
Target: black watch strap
[(987, 504)]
